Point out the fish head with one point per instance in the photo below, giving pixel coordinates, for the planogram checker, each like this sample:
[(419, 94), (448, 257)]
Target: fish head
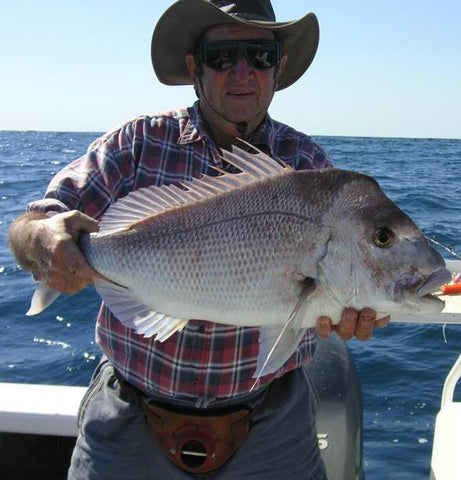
[(376, 255)]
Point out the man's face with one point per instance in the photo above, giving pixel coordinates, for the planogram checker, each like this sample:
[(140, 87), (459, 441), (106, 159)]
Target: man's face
[(240, 94)]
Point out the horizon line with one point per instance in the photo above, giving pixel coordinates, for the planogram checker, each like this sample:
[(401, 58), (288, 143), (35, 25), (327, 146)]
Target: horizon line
[(102, 132)]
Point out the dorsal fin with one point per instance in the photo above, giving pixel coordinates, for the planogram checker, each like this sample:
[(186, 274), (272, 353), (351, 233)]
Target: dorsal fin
[(145, 202)]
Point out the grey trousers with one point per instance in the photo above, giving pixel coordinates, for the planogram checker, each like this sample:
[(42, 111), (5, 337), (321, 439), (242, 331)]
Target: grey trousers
[(114, 441)]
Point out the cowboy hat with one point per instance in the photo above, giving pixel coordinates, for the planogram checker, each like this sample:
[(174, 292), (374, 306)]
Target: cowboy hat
[(182, 24)]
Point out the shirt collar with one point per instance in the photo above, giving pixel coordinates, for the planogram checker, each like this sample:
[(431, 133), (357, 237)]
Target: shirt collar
[(194, 131), (263, 137)]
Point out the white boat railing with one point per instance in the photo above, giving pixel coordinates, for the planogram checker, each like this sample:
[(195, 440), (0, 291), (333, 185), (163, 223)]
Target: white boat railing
[(446, 464), (39, 409), (453, 265)]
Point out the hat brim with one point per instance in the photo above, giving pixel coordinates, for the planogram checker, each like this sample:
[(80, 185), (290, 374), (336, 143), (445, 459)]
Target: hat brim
[(179, 28)]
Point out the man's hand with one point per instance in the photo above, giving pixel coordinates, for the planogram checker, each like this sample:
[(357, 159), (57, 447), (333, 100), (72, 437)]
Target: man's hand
[(353, 324), (47, 246)]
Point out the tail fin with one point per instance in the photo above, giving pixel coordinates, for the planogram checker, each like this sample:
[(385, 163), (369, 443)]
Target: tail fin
[(43, 297)]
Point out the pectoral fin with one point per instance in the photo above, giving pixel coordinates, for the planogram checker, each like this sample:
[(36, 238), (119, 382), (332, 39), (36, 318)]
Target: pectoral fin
[(276, 343)]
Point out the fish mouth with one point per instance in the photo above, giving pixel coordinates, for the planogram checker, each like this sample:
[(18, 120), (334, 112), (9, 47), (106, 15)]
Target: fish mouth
[(433, 282), (412, 285)]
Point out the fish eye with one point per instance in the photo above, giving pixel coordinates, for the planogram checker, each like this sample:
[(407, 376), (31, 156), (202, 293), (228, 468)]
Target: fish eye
[(383, 237)]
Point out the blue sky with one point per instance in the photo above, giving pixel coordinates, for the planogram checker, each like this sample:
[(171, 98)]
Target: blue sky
[(382, 69)]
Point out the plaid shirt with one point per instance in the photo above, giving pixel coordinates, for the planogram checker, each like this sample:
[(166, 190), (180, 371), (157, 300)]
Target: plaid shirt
[(206, 361)]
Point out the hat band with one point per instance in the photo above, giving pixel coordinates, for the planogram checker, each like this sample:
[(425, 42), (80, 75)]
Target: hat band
[(249, 16)]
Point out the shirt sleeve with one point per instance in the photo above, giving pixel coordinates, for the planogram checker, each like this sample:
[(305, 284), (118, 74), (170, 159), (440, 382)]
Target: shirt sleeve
[(95, 180), (311, 156), (297, 149), (321, 159)]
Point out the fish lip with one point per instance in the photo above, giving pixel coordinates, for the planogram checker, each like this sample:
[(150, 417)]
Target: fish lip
[(411, 285), (433, 282)]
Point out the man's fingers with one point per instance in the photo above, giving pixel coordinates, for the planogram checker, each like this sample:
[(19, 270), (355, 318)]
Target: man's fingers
[(353, 324), (346, 328), (77, 222), (324, 327), (68, 281), (72, 273), (67, 269), (383, 322), (365, 324), (74, 261)]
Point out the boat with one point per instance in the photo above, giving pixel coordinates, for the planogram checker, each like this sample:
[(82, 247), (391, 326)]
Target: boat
[(445, 464), (38, 423)]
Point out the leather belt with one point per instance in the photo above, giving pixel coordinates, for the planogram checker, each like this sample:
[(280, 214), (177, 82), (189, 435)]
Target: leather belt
[(201, 443)]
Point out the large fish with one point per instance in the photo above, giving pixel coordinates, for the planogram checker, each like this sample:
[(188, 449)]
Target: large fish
[(269, 247)]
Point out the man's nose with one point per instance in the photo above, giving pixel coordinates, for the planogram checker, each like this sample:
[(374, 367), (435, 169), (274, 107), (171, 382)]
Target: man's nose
[(242, 69)]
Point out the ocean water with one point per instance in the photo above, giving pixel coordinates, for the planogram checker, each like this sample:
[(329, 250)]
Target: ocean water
[(402, 368)]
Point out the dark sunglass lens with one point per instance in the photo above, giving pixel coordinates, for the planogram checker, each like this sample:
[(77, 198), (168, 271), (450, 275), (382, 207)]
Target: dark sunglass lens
[(221, 56), (263, 56)]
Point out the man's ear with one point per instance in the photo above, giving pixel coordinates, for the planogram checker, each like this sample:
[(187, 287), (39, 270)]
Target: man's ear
[(192, 67)]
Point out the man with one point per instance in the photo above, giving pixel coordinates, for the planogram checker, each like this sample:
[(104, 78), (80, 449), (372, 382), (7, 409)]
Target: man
[(195, 387)]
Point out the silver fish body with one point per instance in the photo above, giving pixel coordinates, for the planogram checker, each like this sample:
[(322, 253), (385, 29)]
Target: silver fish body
[(243, 254), (237, 259), (242, 257)]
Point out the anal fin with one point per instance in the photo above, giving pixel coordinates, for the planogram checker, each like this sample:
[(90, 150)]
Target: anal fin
[(123, 304)]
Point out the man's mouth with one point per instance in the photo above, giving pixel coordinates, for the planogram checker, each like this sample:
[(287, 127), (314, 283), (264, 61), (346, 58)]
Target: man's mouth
[(240, 94)]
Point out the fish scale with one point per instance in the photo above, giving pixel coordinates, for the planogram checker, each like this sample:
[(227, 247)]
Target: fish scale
[(214, 276)]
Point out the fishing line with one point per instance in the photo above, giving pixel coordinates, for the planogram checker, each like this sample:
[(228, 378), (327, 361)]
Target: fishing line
[(444, 333), (450, 249)]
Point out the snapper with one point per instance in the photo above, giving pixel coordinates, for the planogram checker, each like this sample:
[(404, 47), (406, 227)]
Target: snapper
[(269, 247)]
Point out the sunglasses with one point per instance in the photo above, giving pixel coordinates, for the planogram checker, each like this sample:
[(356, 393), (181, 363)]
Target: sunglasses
[(221, 55)]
